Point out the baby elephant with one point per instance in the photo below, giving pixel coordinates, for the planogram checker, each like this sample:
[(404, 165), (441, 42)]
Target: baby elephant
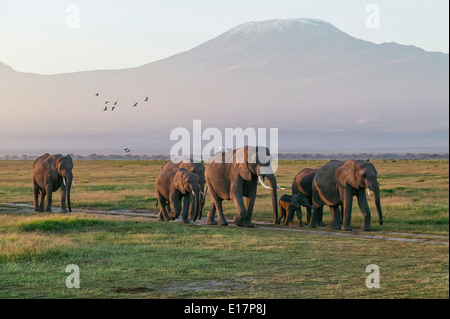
[(173, 186), (291, 203)]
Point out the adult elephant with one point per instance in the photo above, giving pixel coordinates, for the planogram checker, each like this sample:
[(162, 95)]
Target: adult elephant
[(171, 187), (234, 174), (302, 184), (51, 172), (199, 170), (337, 182)]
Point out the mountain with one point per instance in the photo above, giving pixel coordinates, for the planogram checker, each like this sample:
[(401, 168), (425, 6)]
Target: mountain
[(322, 88)]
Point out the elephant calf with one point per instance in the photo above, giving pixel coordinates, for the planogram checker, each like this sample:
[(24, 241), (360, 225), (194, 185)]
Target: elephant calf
[(171, 187), (199, 170), (288, 204)]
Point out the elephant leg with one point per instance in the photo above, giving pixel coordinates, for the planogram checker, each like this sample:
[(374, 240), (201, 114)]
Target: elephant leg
[(163, 211), (222, 220), (216, 205), (210, 218), (289, 216), (41, 201), (249, 208), (299, 217), (335, 218), (282, 213), (186, 208), (365, 210), (48, 207), (176, 202), (308, 215), (347, 208), (313, 223), (320, 216), (191, 211), (241, 218), (36, 196)]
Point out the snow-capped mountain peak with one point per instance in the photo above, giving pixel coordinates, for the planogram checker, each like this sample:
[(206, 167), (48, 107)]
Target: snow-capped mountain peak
[(279, 25)]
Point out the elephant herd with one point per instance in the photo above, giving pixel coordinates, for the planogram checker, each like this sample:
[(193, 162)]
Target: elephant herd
[(233, 175)]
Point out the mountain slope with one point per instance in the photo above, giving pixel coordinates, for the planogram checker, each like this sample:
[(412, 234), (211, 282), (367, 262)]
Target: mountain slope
[(303, 76)]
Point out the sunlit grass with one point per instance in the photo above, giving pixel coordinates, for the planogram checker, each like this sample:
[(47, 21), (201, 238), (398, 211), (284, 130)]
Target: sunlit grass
[(136, 258)]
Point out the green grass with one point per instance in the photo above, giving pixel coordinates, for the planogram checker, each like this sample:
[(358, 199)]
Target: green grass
[(141, 258)]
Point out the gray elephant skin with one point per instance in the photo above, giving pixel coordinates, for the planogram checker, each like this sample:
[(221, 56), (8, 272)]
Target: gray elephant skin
[(302, 184), (337, 182), (233, 175), (171, 187), (289, 204), (51, 172), (199, 170)]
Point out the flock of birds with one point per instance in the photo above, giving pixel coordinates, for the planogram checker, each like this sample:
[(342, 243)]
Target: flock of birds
[(115, 104)]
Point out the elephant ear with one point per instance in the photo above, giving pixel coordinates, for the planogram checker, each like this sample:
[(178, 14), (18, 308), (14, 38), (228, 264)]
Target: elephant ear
[(240, 163), (179, 180), (58, 162), (50, 166), (347, 174)]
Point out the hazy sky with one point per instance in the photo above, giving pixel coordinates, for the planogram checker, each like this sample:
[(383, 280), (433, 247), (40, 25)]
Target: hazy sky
[(44, 36)]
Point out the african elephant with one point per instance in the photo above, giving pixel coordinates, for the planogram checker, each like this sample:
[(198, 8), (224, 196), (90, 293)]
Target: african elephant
[(51, 172), (337, 182), (173, 185), (302, 184), (199, 170), (234, 174), (292, 203)]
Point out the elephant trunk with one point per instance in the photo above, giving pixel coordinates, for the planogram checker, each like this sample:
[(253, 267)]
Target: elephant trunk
[(376, 191), (68, 187), (273, 182), (202, 200), (194, 204), (197, 205)]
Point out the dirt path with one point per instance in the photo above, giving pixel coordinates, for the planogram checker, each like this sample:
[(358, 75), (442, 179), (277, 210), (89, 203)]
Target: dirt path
[(153, 214)]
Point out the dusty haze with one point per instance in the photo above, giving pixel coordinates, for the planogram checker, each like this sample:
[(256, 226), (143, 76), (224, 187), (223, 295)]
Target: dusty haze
[(325, 91)]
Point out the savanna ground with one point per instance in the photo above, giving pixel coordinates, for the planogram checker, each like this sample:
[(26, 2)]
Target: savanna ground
[(138, 257)]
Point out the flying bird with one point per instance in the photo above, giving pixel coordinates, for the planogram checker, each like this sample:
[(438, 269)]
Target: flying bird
[(112, 109), (96, 94), (105, 108), (135, 104), (115, 103), (106, 102), (146, 99), (127, 150)]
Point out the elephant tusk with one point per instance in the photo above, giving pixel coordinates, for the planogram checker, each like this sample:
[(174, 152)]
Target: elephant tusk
[(368, 192), (262, 183), (64, 181), (74, 183), (193, 193), (282, 188), (202, 193)]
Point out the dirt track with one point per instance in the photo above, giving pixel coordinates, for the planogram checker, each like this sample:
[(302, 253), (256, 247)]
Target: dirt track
[(356, 233)]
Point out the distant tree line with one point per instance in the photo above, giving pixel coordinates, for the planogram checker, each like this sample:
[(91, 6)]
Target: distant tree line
[(281, 156)]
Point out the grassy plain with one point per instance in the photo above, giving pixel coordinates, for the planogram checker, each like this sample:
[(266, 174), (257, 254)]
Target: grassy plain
[(134, 257)]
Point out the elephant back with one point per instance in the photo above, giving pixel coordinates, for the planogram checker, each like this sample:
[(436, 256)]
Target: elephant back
[(324, 184), (302, 183)]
